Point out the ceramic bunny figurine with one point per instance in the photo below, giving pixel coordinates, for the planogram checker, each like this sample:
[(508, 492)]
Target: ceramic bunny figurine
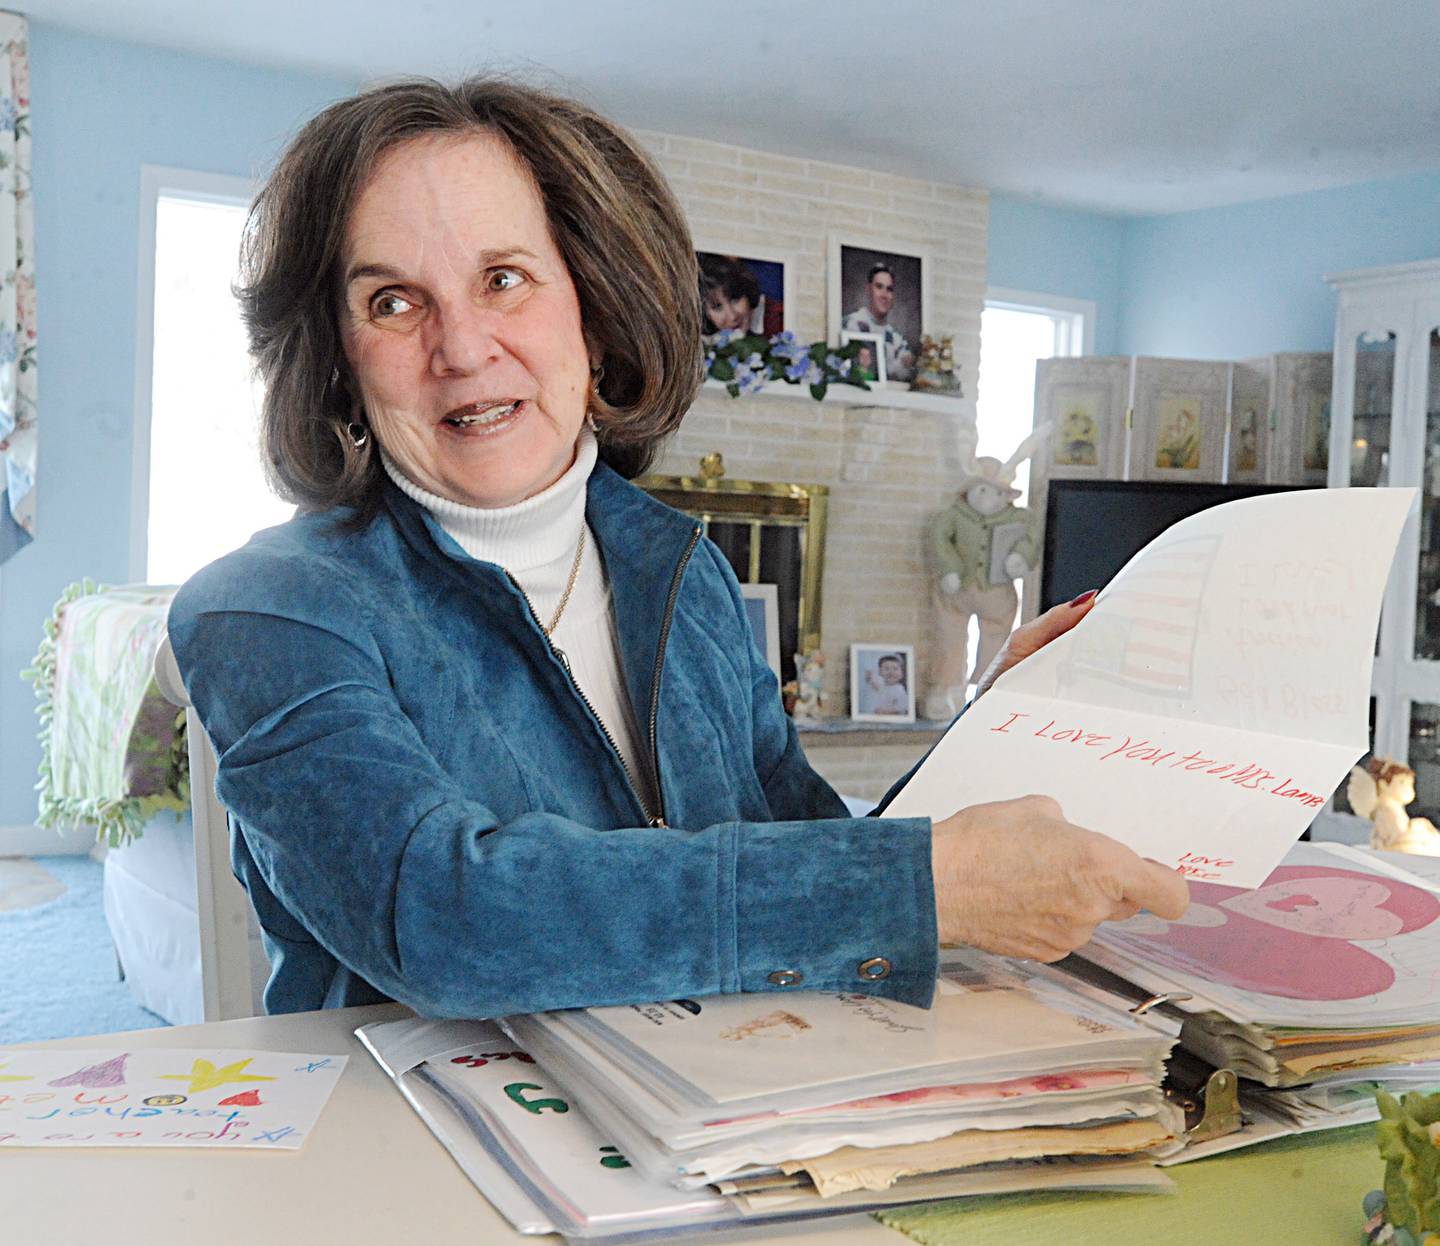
[(976, 549)]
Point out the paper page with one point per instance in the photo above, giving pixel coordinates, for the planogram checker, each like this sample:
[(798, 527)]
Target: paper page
[(1326, 941), (401, 1049), (795, 1141), (399, 1046), (184, 1098), (1212, 699), (1055, 1172), (576, 1171), (731, 1049), (877, 1168)]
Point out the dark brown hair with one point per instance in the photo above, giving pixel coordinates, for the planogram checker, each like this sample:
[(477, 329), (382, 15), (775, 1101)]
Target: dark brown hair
[(614, 220)]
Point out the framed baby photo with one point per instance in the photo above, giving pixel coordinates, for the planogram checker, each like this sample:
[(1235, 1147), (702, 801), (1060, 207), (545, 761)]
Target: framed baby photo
[(744, 294), (879, 287), (869, 365), (882, 683), (762, 608)]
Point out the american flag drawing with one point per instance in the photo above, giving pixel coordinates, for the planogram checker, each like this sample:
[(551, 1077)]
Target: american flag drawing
[(1146, 637)]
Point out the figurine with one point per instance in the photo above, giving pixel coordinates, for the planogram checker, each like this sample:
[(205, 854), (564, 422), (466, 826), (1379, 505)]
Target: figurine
[(810, 680), (977, 548), (1406, 1209), (935, 369), (1380, 790)]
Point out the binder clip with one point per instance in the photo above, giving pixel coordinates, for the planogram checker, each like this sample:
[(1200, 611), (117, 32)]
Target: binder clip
[(1210, 1098)]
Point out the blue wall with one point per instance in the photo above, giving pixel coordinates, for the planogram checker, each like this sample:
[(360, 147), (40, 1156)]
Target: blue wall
[(1044, 250), (1224, 283), (1247, 280), (102, 109)]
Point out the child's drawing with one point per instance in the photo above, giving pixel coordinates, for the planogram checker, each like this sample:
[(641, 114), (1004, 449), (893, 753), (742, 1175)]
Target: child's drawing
[(1297, 937)]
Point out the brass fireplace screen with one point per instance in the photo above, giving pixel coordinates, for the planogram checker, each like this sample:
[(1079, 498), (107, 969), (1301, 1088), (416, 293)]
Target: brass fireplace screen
[(772, 533)]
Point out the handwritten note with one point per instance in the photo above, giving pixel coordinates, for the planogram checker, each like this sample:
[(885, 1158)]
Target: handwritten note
[(1210, 702), (55, 1098)]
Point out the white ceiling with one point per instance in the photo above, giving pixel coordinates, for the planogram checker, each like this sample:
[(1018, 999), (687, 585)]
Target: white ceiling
[(1120, 106)]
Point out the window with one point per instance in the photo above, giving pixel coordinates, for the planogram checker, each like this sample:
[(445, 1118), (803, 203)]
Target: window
[(200, 490), (1016, 330)]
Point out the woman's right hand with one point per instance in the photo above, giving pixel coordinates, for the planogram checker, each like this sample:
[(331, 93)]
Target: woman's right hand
[(1015, 878)]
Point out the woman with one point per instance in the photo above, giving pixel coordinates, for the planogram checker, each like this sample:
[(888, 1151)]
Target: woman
[(490, 721), (729, 296)]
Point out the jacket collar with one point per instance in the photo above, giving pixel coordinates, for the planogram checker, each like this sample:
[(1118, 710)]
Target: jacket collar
[(644, 543), (642, 540)]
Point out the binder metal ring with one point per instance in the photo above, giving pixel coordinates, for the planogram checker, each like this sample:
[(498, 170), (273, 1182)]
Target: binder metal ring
[(1165, 997)]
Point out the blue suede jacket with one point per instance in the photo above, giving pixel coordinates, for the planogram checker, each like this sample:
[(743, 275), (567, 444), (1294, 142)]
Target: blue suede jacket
[(426, 808)]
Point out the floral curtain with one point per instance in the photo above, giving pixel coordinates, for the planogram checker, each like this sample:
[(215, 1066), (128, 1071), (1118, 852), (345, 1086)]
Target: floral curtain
[(17, 291)]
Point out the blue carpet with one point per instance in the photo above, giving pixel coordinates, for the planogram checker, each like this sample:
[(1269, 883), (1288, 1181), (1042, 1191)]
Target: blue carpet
[(57, 964)]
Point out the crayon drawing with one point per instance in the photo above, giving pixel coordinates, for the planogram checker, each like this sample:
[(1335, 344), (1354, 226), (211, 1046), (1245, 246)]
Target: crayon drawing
[(204, 1075), (231, 1099), (1315, 933)]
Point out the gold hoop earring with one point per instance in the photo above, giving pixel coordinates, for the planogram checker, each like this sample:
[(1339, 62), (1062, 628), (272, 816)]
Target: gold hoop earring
[(359, 435)]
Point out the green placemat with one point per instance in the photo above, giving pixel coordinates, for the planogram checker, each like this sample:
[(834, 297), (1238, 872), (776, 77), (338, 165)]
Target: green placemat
[(1300, 1190)]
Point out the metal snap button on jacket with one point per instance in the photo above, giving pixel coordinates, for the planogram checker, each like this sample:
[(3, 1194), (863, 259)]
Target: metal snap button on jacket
[(789, 977), (875, 968)]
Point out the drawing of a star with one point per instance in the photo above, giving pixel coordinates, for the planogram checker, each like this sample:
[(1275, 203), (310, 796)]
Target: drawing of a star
[(205, 1076)]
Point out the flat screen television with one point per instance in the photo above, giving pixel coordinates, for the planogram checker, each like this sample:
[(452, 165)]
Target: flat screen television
[(1093, 527)]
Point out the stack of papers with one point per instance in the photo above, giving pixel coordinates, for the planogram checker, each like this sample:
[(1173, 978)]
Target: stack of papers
[(1010, 1063), (1323, 983), (614, 1121)]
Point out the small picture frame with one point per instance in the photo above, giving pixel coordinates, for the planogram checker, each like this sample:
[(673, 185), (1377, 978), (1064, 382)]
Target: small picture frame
[(876, 285), (744, 294), (869, 364), (882, 683), (762, 607)]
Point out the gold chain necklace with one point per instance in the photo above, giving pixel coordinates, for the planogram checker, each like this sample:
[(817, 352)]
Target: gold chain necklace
[(549, 629)]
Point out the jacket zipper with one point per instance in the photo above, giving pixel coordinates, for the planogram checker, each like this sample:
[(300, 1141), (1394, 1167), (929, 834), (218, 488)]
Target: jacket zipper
[(653, 818), (659, 819)]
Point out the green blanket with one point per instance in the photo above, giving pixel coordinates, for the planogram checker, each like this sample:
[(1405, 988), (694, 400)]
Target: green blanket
[(113, 749)]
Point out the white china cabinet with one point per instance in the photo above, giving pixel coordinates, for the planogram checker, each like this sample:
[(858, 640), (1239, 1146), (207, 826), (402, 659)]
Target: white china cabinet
[(1385, 430)]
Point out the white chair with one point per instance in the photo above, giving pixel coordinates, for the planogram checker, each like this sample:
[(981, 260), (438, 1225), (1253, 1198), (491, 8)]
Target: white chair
[(233, 967)]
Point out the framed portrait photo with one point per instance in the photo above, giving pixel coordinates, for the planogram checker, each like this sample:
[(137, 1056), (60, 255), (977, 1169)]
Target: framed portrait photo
[(869, 364), (762, 607), (744, 294), (881, 288), (882, 683)]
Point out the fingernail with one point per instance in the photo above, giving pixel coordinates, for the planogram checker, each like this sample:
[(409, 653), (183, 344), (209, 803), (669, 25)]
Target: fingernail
[(1084, 597)]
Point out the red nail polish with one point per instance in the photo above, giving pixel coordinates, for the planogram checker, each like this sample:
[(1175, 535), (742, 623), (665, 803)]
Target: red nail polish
[(1084, 597)]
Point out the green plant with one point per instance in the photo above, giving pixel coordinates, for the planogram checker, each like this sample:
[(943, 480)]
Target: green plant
[(746, 364)]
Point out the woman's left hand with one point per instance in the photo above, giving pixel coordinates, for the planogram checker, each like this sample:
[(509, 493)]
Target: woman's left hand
[(1033, 636)]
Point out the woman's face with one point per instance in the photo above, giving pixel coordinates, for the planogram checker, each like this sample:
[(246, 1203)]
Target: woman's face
[(461, 323), (727, 313)]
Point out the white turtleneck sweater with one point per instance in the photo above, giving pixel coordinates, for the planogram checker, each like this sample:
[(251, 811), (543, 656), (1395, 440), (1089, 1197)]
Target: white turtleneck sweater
[(535, 541)]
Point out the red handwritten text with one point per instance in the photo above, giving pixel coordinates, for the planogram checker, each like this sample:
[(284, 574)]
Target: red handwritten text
[(1247, 775), (1193, 865)]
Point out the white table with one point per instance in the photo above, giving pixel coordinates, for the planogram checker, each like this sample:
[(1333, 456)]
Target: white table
[(370, 1174)]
